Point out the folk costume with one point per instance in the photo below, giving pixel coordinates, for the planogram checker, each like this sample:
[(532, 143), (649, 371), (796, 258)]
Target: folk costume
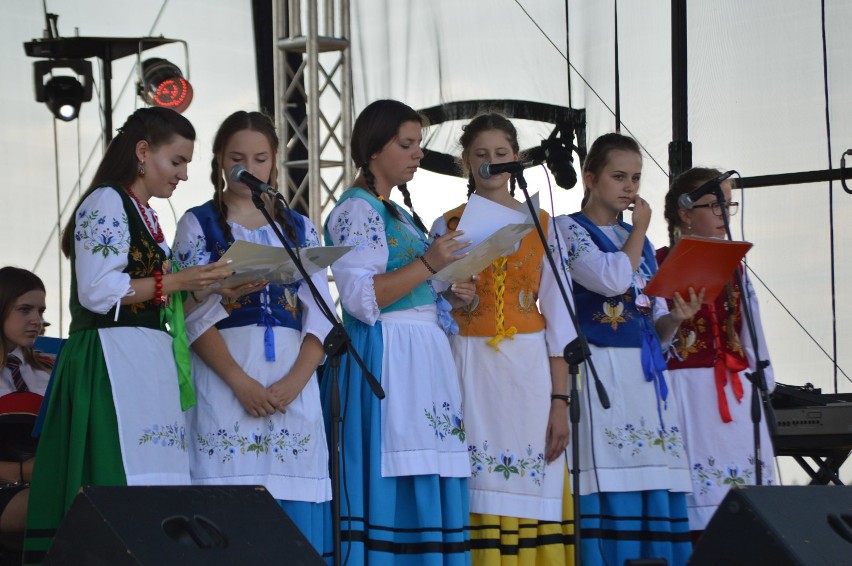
[(707, 366), (521, 507), (404, 461), (115, 415), (285, 452), (633, 469)]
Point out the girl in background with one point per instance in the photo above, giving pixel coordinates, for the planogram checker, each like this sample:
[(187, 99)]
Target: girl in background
[(404, 462), (633, 471), (711, 351), (258, 419), (115, 415), (22, 305), (514, 378)]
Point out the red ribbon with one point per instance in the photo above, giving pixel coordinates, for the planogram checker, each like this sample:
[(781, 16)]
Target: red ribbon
[(725, 364)]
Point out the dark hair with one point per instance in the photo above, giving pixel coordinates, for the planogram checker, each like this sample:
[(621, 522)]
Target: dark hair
[(484, 123), (376, 125), (15, 282), (238, 122), (598, 155), (119, 166), (684, 183)]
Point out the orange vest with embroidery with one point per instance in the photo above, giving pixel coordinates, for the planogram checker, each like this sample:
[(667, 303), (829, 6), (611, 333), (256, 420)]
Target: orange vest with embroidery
[(512, 280)]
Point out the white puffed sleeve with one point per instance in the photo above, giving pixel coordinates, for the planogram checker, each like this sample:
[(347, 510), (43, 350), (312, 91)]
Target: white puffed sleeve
[(190, 249), (355, 223), (101, 247), (313, 320), (745, 336), (607, 274), (559, 330)]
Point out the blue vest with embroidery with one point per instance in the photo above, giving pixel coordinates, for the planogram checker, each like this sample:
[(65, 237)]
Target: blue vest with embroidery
[(403, 248), (612, 321), (250, 309)]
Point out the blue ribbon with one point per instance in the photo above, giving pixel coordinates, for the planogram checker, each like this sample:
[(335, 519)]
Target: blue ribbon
[(268, 320), (448, 322), (653, 365)]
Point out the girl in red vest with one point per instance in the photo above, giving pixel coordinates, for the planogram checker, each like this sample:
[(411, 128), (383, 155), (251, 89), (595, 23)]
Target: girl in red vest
[(711, 351)]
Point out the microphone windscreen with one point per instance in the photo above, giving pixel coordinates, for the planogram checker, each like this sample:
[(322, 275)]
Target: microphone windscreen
[(236, 172), (483, 170), (685, 202)]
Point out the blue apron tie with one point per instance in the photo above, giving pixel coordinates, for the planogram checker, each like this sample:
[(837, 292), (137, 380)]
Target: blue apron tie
[(653, 365), (269, 321)]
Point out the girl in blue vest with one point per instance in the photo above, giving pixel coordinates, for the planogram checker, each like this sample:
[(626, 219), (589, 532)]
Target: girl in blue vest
[(633, 469), (258, 418), (404, 459), (115, 415)]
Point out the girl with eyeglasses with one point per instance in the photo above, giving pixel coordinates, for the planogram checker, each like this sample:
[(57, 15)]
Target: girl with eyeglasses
[(710, 353)]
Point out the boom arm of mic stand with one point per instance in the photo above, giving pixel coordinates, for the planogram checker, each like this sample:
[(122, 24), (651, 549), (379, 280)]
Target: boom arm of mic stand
[(337, 338)]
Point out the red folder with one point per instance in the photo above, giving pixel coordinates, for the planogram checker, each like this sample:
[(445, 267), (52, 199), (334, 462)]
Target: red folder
[(697, 262)]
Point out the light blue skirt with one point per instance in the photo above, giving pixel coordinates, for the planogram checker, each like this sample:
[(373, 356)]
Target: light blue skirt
[(630, 525), (408, 520)]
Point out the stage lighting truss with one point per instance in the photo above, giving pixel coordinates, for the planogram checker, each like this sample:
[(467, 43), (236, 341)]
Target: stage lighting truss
[(63, 94), (161, 83)]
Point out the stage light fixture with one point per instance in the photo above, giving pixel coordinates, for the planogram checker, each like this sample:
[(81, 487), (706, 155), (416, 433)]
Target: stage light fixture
[(161, 83), (63, 94)]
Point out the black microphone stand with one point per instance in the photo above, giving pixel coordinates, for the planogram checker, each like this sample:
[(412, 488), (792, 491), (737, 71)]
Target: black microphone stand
[(759, 391), (575, 353), (336, 344)]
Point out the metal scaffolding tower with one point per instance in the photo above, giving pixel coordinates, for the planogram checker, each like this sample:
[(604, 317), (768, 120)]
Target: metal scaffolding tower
[(313, 103)]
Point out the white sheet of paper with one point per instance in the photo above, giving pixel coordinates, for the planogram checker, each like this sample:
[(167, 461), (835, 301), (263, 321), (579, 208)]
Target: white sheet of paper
[(482, 218), (498, 244), (252, 261)]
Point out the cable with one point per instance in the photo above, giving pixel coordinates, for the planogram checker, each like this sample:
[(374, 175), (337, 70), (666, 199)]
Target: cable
[(591, 88), (830, 194)]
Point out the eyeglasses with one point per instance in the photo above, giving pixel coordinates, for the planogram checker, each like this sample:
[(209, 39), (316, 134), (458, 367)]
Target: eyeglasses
[(732, 207)]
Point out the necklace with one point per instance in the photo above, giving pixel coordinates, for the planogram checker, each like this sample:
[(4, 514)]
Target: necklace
[(158, 235)]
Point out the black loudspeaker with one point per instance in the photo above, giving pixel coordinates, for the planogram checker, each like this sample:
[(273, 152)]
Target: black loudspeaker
[(178, 525), (779, 525)]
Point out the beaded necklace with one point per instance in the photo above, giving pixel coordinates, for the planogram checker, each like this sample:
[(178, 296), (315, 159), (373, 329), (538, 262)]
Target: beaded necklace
[(158, 235)]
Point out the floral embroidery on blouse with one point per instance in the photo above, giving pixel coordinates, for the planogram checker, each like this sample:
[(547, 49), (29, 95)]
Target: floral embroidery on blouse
[(281, 443), (194, 254), (102, 235), (506, 463), (370, 234), (578, 244), (688, 341), (710, 475), (637, 439), (167, 436), (446, 424)]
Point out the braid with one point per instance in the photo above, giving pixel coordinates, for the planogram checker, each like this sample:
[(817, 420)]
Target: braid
[(406, 198), (512, 184), (371, 186), (471, 184), (219, 202), (284, 217)]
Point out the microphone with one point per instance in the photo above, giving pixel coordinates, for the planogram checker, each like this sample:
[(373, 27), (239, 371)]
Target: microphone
[(488, 170), (239, 174), (687, 200)]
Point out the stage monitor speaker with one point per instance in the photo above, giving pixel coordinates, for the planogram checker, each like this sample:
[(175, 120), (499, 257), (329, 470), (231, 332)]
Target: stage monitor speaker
[(178, 525), (777, 526)]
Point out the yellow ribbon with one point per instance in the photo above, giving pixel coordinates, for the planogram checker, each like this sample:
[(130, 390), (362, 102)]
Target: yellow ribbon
[(499, 288)]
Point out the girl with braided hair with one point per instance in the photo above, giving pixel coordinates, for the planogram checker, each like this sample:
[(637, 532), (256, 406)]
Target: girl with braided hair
[(115, 415), (404, 459), (710, 352), (513, 378), (633, 468), (255, 356)]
